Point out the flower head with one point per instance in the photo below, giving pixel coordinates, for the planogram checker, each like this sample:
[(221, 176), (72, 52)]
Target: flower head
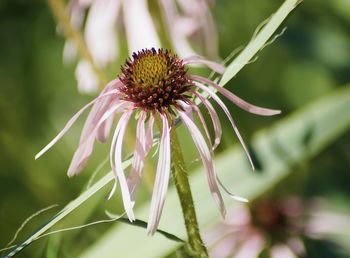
[(154, 84)]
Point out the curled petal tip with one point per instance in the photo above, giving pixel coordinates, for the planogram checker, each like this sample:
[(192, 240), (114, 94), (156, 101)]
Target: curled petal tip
[(274, 112), (240, 199), (71, 174)]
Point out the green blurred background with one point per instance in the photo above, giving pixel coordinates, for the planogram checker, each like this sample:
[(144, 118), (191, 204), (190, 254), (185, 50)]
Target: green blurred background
[(38, 94)]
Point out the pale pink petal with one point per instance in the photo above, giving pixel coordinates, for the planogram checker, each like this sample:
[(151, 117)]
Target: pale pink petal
[(236, 100), (85, 148), (225, 247), (214, 117), (134, 177), (139, 26), (322, 223), (149, 134), (187, 26), (72, 121), (100, 31), (98, 109), (233, 196), (77, 12), (224, 108), (188, 109), (281, 250), (114, 188), (252, 247), (117, 162), (210, 33), (86, 77), (216, 233), (199, 12), (176, 32), (208, 161), (104, 130), (139, 157), (199, 60), (162, 178), (201, 118), (69, 52), (81, 156)]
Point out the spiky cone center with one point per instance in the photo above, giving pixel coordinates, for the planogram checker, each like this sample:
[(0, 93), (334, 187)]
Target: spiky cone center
[(154, 80)]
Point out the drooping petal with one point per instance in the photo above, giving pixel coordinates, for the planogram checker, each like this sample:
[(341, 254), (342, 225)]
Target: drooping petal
[(199, 13), (199, 60), (224, 108), (116, 162), (214, 117), (282, 250), (162, 178), (252, 247), (209, 28), (201, 118), (139, 157), (104, 130), (225, 246), (236, 100), (72, 121), (140, 29), (85, 148), (100, 33), (208, 161), (187, 108), (149, 134), (81, 156), (233, 196), (176, 31), (86, 77), (98, 109), (69, 52)]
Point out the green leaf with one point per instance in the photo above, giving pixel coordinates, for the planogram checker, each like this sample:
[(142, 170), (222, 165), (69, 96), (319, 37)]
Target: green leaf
[(64, 212), (259, 41), (294, 139)]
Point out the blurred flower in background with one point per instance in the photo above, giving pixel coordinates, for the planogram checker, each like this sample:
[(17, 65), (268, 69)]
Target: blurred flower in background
[(277, 228), (105, 24)]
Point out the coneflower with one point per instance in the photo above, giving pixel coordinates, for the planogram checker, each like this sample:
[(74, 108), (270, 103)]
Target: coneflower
[(154, 85)]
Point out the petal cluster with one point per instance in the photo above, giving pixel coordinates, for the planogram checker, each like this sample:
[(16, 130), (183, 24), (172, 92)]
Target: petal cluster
[(117, 97), (103, 21)]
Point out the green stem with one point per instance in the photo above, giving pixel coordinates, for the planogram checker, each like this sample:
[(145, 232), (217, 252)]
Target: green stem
[(59, 10), (184, 191)]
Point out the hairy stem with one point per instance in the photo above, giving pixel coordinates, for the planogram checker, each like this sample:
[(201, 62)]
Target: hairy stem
[(180, 176)]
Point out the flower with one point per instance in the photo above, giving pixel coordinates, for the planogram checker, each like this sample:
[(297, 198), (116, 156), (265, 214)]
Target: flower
[(183, 21), (154, 84), (277, 228)]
